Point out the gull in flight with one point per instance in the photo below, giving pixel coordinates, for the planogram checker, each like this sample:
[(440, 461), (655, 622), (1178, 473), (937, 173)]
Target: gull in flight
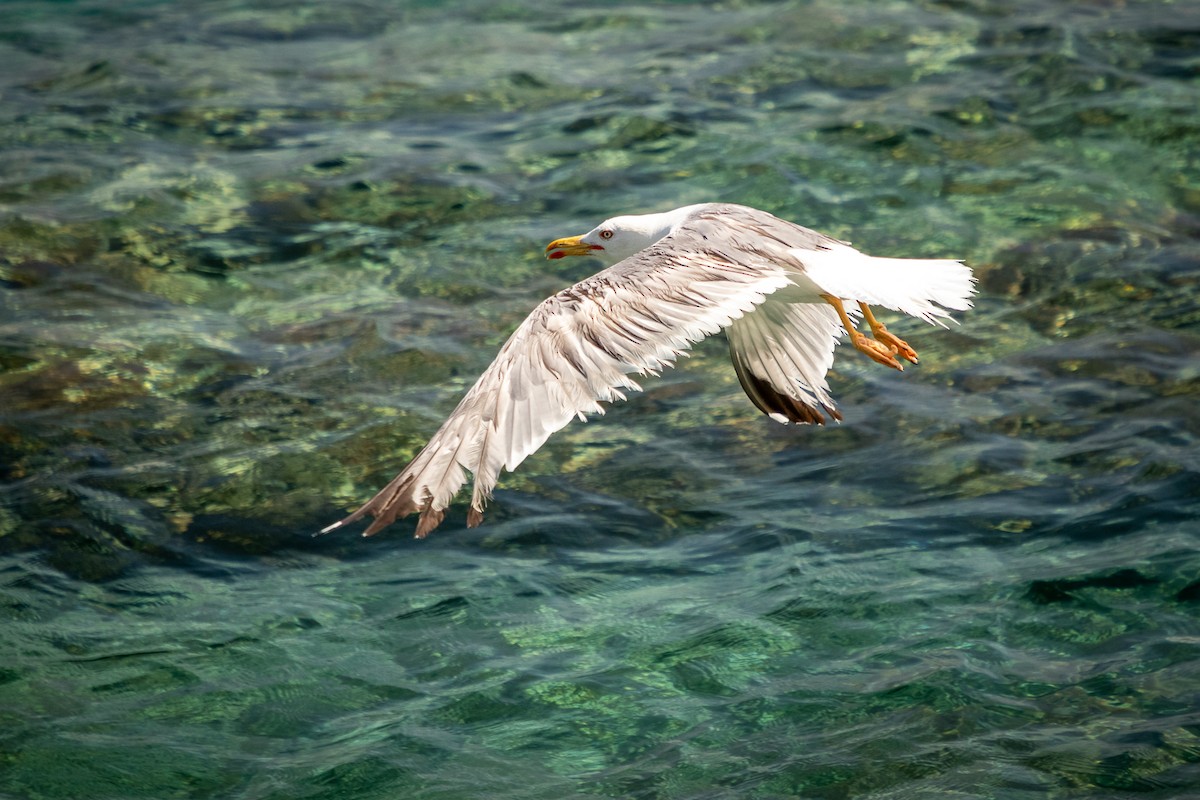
[(783, 294)]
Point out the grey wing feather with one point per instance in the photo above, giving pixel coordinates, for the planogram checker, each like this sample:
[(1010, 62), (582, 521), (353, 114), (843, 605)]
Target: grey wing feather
[(576, 350)]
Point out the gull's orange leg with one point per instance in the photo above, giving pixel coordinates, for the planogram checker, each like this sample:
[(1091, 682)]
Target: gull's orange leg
[(876, 351), (879, 331)]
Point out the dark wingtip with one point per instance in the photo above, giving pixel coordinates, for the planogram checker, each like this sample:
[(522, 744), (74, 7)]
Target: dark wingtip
[(430, 518), (774, 404)]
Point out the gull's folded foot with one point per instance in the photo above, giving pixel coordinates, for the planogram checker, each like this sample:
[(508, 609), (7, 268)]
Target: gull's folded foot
[(878, 352), (897, 345)]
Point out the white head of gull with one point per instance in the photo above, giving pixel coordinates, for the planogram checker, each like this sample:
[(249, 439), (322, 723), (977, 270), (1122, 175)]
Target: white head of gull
[(621, 237), (779, 291)]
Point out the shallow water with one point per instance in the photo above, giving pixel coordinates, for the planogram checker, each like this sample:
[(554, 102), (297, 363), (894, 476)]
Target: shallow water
[(251, 255)]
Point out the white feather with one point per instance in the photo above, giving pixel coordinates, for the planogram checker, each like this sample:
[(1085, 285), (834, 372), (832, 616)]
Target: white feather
[(923, 288)]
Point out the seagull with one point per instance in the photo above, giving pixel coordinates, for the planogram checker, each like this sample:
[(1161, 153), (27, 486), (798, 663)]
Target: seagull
[(779, 291)]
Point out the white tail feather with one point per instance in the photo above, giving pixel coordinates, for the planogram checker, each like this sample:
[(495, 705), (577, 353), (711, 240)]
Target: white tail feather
[(924, 288)]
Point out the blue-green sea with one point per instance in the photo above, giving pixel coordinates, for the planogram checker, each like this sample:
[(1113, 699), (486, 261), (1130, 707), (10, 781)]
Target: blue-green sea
[(253, 253)]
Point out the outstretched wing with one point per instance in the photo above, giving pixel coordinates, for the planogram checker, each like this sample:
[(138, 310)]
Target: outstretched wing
[(782, 353), (576, 350)]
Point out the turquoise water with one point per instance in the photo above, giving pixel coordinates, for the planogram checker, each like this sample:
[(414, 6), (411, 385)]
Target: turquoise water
[(252, 254)]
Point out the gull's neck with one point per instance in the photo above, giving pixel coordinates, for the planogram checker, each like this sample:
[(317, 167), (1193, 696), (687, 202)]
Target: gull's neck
[(649, 228), (664, 223)]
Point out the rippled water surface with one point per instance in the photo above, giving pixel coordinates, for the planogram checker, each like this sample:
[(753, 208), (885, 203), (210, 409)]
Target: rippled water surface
[(252, 253)]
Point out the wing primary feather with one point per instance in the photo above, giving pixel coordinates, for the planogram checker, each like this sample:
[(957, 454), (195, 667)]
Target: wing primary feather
[(574, 352)]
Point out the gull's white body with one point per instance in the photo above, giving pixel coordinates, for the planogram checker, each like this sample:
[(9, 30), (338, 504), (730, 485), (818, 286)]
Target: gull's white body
[(681, 276)]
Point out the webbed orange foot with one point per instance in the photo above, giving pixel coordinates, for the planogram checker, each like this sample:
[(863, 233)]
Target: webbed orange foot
[(878, 352), (897, 345)]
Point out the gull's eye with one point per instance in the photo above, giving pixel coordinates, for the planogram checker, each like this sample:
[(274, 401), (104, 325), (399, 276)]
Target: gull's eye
[(606, 234)]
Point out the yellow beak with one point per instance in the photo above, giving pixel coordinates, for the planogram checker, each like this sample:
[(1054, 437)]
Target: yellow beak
[(570, 246)]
